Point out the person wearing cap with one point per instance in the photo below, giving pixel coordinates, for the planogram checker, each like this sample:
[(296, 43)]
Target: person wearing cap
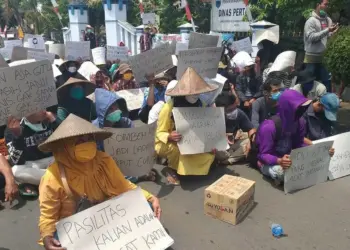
[(90, 36), (72, 99), (185, 94), (321, 116), (80, 177), (123, 78), (308, 87), (279, 135), (153, 94)]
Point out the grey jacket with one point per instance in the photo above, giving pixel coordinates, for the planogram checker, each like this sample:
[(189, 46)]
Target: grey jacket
[(315, 39)]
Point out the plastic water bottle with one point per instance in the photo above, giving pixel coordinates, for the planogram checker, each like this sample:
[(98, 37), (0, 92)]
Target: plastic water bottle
[(277, 230)]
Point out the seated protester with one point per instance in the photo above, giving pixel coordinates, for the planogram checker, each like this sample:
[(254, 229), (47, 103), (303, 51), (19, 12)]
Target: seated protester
[(248, 87), (68, 69), (308, 87), (320, 117), (123, 78), (184, 94), (80, 177), (22, 139), (153, 94), (235, 119), (7, 180), (278, 136), (266, 106), (72, 99), (101, 80)]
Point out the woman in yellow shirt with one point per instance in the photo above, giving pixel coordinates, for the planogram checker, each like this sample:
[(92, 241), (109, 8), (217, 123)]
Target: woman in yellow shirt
[(80, 177), (184, 94)]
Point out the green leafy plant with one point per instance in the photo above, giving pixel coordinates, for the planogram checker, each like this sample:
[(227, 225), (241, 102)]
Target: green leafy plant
[(337, 54)]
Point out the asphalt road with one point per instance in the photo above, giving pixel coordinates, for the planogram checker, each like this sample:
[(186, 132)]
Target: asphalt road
[(314, 218)]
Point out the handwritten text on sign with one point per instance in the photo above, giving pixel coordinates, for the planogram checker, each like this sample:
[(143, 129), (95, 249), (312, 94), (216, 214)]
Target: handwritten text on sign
[(152, 61), (309, 167), (202, 129), (204, 61), (77, 50), (132, 149), (198, 41), (117, 53), (125, 222), (26, 89), (133, 97), (340, 162)]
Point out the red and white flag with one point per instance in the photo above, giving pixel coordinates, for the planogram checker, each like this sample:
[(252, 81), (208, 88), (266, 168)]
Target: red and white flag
[(141, 8), (185, 5), (55, 9)]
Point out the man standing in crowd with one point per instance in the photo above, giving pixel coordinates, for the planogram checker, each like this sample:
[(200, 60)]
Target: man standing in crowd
[(316, 32), (146, 40), (90, 36)]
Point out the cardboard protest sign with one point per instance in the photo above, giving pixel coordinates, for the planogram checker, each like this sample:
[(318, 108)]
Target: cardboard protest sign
[(149, 18), (133, 97), (117, 53), (3, 63), (57, 49), (124, 222), (152, 61), (205, 61), (242, 45), (198, 41), (202, 129), (284, 61), (36, 43), (181, 47), (132, 149), (77, 51), (309, 167), (21, 53), (13, 43), (6, 53), (209, 98), (87, 69), (339, 165), (219, 35), (39, 56), (99, 55), (26, 89), (21, 62)]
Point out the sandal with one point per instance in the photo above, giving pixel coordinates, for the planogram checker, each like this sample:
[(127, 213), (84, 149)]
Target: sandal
[(172, 178), (28, 190)]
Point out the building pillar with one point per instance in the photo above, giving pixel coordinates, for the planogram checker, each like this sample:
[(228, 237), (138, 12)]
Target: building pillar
[(114, 10), (78, 19)]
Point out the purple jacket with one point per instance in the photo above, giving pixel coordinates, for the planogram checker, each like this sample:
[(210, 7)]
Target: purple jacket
[(290, 110)]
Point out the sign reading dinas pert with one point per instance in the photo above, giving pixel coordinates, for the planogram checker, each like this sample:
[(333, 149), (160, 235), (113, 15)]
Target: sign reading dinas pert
[(227, 15)]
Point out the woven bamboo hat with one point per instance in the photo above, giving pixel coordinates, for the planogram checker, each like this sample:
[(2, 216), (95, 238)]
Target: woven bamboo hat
[(191, 84), (73, 126), (63, 90)]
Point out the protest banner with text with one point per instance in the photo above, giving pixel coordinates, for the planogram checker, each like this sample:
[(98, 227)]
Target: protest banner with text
[(133, 97), (153, 61), (339, 165), (77, 50), (36, 43), (199, 41), (21, 53), (202, 129), (309, 167), (13, 43), (132, 149), (124, 222), (99, 55), (88, 69), (242, 45), (204, 61), (117, 53), (39, 56), (26, 89)]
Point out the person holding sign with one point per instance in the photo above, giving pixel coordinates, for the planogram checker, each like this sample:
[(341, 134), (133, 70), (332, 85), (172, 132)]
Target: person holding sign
[(72, 99), (184, 94), (123, 78), (80, 177)]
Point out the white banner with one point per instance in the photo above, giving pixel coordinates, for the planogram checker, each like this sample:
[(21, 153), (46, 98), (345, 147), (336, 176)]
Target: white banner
[(309, 167), (26, 89), (87, 69), (199, 41), (124, 222), (39, 56), (117, 53), (77, 50), (99, 55), (36, 43), (284, 61), (202, 129), (13, 43), (227, 15), (204, 61), (132, 149), (242, 45), (133, 97), (149, 18)]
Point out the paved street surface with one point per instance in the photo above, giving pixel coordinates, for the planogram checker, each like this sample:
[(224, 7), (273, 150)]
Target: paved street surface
[(314, 218)]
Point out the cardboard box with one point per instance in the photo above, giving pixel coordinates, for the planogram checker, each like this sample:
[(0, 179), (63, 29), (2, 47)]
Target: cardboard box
[(229, 199)]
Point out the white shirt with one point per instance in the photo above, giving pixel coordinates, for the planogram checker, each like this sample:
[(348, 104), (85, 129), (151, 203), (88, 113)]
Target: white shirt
[(154, 112), (317, 90)]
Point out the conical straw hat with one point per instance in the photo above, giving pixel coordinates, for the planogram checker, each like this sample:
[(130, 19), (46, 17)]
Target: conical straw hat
[(73, 126), (191, 84), (89, 87)]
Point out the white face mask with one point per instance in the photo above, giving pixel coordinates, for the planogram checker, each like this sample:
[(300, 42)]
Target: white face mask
[(72, 69), (192, 98)]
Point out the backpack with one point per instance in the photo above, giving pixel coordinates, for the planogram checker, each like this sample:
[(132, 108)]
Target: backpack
[(252, 156)]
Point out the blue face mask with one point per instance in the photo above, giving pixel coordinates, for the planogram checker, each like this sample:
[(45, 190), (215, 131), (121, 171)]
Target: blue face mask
[(276, 96), (77, 93), (115, 116), (35, 127)]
